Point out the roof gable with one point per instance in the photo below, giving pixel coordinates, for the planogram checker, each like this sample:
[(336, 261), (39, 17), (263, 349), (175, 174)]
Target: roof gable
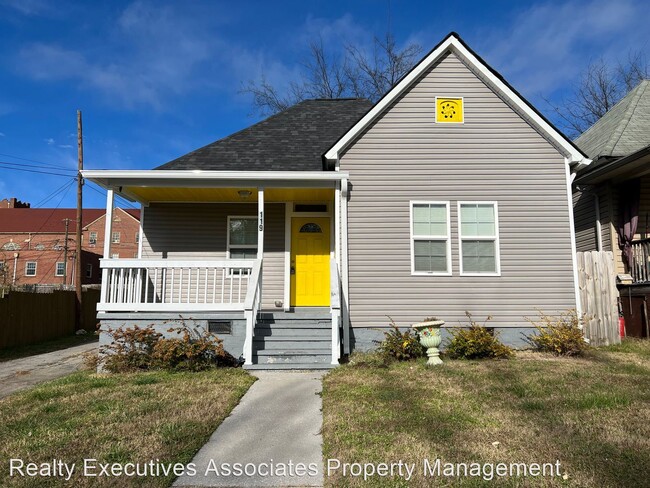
[(454, 44), (623, 130), (292, 140)]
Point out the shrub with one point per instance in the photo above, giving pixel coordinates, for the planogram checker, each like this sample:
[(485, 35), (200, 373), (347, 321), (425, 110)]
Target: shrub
[(401, 345), (560, 335), (142, 348), (476, 342)]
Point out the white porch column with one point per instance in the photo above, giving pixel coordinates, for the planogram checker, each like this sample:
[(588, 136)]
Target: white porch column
[(108, 233), (345, 303), (260, 223)]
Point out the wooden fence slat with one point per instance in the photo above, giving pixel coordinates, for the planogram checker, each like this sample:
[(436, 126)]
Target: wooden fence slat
[(599, 297)]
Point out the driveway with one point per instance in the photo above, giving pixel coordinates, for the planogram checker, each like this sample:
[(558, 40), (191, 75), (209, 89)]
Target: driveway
[(19, 374)]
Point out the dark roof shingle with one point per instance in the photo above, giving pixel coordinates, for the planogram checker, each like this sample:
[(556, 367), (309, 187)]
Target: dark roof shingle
[(36, 220), (292, 140)]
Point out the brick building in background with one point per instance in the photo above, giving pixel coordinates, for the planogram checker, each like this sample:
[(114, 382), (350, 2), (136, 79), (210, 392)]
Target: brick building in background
[(33, 243)]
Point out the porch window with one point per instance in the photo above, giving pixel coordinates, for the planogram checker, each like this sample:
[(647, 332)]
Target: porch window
[(242, 237), (479, 238), (60, 268), (430, 243)]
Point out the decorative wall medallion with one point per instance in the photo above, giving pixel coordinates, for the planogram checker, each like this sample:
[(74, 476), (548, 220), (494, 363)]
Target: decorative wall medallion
[(449, 110)]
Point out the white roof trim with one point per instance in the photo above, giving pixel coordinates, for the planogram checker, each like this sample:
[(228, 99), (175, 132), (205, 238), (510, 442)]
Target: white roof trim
[(125, 176), (452, 43)]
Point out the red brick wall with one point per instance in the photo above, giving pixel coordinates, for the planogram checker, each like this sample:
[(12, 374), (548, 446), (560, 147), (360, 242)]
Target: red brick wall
[(48, 249)]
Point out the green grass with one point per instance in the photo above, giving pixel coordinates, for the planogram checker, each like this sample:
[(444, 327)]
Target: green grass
[(590, 413), (116, 418), (47, 346)]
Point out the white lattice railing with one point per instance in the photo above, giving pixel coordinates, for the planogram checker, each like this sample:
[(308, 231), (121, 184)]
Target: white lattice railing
[(134, 285)]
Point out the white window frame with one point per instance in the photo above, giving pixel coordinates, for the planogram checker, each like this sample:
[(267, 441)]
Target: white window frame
[(115, 255), (239, 246), (35, 263), (56, 269), (413, 238), (117, 234), (495, 238), (92, 237), (137, 237)]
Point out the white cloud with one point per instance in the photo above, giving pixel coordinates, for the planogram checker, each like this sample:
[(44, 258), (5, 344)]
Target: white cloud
[(27, 7), (65, 146), (49, 141), (549, 44), (152, 52)]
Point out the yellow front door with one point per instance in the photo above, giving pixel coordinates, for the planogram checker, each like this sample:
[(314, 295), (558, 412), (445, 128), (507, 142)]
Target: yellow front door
[(310, 258)]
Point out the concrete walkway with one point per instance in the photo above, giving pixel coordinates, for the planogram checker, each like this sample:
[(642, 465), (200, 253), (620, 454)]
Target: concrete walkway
[(273, 433), (18, 374)]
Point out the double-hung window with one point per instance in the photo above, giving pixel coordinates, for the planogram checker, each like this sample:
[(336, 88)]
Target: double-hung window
[(479, 238), (92, 239), (116, 238), (30, 268), (60, 268), (242, 237), (430, 243)]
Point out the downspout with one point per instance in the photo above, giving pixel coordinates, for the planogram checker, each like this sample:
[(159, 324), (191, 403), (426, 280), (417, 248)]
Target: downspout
[(574, 256), (13, 282), (599, 229)]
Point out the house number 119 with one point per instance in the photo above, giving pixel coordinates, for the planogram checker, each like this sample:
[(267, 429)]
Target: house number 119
[(261, 221)]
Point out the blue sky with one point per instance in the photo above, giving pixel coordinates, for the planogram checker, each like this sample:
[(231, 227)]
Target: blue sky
[(158, 79)]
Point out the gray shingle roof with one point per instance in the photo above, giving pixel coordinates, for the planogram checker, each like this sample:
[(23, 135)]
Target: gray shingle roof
[(292, 140), (623, 130)]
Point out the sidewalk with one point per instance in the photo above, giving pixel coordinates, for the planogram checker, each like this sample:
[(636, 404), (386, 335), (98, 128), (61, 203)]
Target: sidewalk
[(18, 374), (274, 429)]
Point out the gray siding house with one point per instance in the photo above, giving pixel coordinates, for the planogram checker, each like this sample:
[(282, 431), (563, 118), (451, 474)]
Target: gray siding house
[(296, 238)]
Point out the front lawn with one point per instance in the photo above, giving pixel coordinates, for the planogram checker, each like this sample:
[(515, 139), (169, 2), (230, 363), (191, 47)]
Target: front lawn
[(592, 414), (116, 418)]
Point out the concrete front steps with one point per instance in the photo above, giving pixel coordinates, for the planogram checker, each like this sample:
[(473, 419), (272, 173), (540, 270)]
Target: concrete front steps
[(296, 340)]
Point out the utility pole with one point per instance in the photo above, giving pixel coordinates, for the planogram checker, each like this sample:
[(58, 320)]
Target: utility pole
[(78, 270), (65, 252)]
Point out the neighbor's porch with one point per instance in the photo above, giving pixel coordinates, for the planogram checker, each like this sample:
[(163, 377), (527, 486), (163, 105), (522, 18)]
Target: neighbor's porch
[(217, 244)]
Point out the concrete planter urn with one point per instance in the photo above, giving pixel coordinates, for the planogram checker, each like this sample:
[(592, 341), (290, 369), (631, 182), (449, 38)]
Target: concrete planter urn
[(430, 337)]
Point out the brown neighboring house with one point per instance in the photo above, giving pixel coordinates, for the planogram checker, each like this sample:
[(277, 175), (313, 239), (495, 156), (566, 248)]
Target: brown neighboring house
[(33, 243)]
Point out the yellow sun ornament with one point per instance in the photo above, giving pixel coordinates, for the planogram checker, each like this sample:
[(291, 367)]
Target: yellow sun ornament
[(449, 110)]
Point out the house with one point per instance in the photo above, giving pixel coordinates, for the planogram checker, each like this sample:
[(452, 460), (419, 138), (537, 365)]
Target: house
[(295, 238), (612, 199), (33, 248)]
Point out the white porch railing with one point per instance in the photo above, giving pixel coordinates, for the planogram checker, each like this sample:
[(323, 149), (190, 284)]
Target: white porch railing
[(251, 308), (335, 308), (140, 285)]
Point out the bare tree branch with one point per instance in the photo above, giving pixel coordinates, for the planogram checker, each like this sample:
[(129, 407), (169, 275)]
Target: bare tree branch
[(357, 74), (599, 89)]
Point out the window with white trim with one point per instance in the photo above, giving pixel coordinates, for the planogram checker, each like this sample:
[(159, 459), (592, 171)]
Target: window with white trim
[(430, 243), (242, 237), (478, 229), (115, 256), (137, 237), (60, 268), (30, 268), (92, 239), (116, 238)]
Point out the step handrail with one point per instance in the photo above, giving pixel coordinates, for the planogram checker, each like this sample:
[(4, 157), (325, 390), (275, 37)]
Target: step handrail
[(335, 310)]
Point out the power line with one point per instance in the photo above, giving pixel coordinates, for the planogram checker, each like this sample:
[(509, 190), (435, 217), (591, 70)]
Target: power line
[(2, 165), (41, 166), (53, 194), (34, 161), (123, 201)]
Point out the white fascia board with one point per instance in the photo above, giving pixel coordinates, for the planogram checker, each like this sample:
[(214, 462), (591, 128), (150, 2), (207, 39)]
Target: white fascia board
[(207, 179), (454, 45)]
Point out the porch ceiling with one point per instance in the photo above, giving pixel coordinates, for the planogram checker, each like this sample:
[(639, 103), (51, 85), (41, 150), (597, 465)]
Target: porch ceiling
[(172, 194)]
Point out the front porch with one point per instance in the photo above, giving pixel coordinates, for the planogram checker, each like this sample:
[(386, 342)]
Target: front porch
[(228, 251)]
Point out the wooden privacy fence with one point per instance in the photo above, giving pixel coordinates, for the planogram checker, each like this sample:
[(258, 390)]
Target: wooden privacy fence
[(28, 318), (599, 297)]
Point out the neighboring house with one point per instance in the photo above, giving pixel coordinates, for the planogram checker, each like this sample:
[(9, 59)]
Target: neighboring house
[(295, 238), (33, 243), (612, 196)]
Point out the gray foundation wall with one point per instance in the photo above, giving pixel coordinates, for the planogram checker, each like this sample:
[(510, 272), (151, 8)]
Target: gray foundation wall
[(233, 343)]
